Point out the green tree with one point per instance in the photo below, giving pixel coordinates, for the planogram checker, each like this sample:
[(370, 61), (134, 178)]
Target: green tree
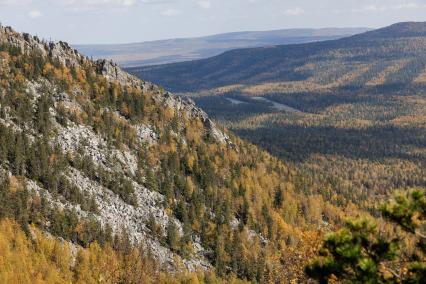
[(359, 253), (173, 238)]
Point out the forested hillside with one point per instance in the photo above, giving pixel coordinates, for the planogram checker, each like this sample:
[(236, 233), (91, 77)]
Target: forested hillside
[(119, 178), (349, 113)]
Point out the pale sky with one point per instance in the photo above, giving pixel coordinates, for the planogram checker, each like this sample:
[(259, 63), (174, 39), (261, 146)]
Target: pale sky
[(123, 21)]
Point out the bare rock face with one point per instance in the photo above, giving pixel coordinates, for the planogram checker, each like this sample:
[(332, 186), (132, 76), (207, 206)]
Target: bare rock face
[(57, 50), (113, 73), (146, 134), (66, 55)]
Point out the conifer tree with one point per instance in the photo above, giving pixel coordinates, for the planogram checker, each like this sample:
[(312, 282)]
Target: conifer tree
[(172, 237), (358, 253)]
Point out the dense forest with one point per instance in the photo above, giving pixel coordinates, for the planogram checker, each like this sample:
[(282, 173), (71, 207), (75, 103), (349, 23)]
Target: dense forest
[(358, 145)]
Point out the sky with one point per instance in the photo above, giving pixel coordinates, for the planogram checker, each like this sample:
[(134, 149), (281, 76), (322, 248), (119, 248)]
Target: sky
[(125, 21)]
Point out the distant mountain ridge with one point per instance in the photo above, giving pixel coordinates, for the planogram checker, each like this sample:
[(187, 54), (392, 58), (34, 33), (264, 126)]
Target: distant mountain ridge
[(184, 49), (394, 54), (405, 29)]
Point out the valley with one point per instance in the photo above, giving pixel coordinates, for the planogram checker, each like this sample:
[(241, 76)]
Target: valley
[(359, 129)]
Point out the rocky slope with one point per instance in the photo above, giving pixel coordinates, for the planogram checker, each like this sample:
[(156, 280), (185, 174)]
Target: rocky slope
[(76, 137), (106, 156)]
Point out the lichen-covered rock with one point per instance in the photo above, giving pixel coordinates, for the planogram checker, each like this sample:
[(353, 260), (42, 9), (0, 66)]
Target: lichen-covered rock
[(112, 73), (57, 50)]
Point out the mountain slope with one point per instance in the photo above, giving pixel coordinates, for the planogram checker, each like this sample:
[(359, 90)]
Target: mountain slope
[(93, 155), (183, 49), (392, 56)]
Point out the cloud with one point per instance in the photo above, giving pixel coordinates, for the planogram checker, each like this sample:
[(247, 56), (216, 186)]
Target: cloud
[(97, 3), (204, 4), (395, 7), (34, 14), (297, 11), (15, 2), (97, 6), (170, 12), (105, 3)]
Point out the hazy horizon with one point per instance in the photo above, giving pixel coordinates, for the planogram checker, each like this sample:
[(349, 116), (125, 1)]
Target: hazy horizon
[(133, 21), (218, 34)]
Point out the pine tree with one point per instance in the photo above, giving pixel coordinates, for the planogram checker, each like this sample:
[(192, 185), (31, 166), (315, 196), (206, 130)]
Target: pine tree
[(172, 237), (278, 198), (18, 156), (150, 180), (221, 256), (358, 253)]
